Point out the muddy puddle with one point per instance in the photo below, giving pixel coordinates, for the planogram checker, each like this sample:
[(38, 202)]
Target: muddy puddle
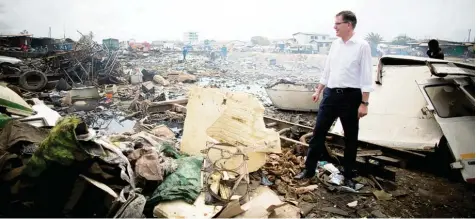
[(108, 121), (114, 125)]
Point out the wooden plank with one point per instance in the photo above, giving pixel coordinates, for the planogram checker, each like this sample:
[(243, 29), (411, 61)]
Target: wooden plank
[(293, 141), (366, 153), (366, 168), (163, 106), (386, 159), (271, 124), (398, 152), (179, 108)]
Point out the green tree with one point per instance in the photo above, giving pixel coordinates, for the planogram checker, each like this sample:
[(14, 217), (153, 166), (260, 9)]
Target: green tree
[(402, 40), (374, 38)]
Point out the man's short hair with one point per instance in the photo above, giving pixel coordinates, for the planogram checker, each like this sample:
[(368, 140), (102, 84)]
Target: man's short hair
[(348, 16)]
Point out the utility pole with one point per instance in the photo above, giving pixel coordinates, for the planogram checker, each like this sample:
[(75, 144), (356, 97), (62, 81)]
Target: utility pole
[(469, 35), (49, 33)]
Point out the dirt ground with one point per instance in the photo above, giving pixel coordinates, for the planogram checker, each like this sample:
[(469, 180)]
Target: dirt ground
[(414, 194)]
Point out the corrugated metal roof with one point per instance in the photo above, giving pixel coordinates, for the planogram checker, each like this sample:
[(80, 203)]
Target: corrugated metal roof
[(309, 33), (16, 35)]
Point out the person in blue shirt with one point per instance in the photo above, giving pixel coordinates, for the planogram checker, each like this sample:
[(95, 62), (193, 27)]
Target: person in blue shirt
[(184, 52), (223, 52)]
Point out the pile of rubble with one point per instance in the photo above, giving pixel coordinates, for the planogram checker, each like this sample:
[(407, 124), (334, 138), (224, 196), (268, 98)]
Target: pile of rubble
[(87, 64), (162, 146), (66, 170)]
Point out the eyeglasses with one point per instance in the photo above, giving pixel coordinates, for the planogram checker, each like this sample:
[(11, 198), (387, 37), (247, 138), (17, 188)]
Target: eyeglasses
[(340, 23)]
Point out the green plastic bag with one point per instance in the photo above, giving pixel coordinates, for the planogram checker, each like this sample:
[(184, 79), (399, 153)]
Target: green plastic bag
[(183, 184)]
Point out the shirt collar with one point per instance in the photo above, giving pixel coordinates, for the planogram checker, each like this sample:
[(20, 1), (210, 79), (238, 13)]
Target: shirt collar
[(352, 39)]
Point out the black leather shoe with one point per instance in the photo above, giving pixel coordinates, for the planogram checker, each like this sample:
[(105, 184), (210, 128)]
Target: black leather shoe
[(304, 174), (349, 183)]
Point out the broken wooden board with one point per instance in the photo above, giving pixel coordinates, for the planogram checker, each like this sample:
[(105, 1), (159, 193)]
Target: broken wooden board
[(181, 209), (232, 209), (285, 210), (306, 208), (386, 159), (217, 110), (366, 168), (365, 153), (163, 106), (262, 199), (335, 211), (338, 142)]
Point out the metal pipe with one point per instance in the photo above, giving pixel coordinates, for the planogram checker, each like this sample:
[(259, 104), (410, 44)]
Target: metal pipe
[(305, 136), (282, 131)]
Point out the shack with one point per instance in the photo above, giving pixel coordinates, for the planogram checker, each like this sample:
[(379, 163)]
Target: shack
[(15, 41), (42, 43), (111, 44), (452, 48)]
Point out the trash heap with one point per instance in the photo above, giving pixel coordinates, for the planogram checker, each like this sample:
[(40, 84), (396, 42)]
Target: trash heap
[(66, 171), (87, 64)]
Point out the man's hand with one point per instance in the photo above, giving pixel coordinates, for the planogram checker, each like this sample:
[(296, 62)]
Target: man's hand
[(363, 109), (315, 96)]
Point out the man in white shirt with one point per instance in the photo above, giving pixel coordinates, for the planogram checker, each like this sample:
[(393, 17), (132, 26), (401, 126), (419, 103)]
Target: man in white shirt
[(346, 83)]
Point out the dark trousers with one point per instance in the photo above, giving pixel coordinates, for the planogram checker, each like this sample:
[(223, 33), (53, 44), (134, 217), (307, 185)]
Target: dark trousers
[(336, 103)]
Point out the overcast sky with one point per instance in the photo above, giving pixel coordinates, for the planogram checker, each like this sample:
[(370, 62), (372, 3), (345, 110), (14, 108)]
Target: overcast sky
[(235, 19)]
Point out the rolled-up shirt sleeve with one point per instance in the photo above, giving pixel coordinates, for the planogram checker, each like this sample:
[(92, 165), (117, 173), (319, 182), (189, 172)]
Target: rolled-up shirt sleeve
[(327, 68), (366, 83)]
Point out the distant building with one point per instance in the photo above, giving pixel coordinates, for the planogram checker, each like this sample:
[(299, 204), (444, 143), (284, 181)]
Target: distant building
[(190, 37), (137, 46), (236, 43), (451, 48), (306, 38), (158, 42), (320, 43), (16, 40)]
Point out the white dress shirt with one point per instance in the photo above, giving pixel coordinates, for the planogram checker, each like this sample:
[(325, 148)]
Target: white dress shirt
[(348, 65)]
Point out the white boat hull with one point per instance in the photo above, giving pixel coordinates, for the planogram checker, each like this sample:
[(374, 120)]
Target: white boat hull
[(295, 97)]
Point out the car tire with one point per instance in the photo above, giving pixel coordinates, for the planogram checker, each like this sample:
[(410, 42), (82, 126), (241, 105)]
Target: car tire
[(26, 82)]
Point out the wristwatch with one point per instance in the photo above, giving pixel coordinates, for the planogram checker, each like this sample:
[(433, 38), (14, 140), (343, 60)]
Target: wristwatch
[(365, 103)]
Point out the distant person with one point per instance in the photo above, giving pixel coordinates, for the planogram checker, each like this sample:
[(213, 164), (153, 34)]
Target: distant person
[(213, 56), (24, 47), (434, 50), (224, 51), (184, 52)]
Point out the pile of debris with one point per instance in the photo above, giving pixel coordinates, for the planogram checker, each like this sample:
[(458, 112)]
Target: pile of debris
[(66, 171), (88, 64)]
